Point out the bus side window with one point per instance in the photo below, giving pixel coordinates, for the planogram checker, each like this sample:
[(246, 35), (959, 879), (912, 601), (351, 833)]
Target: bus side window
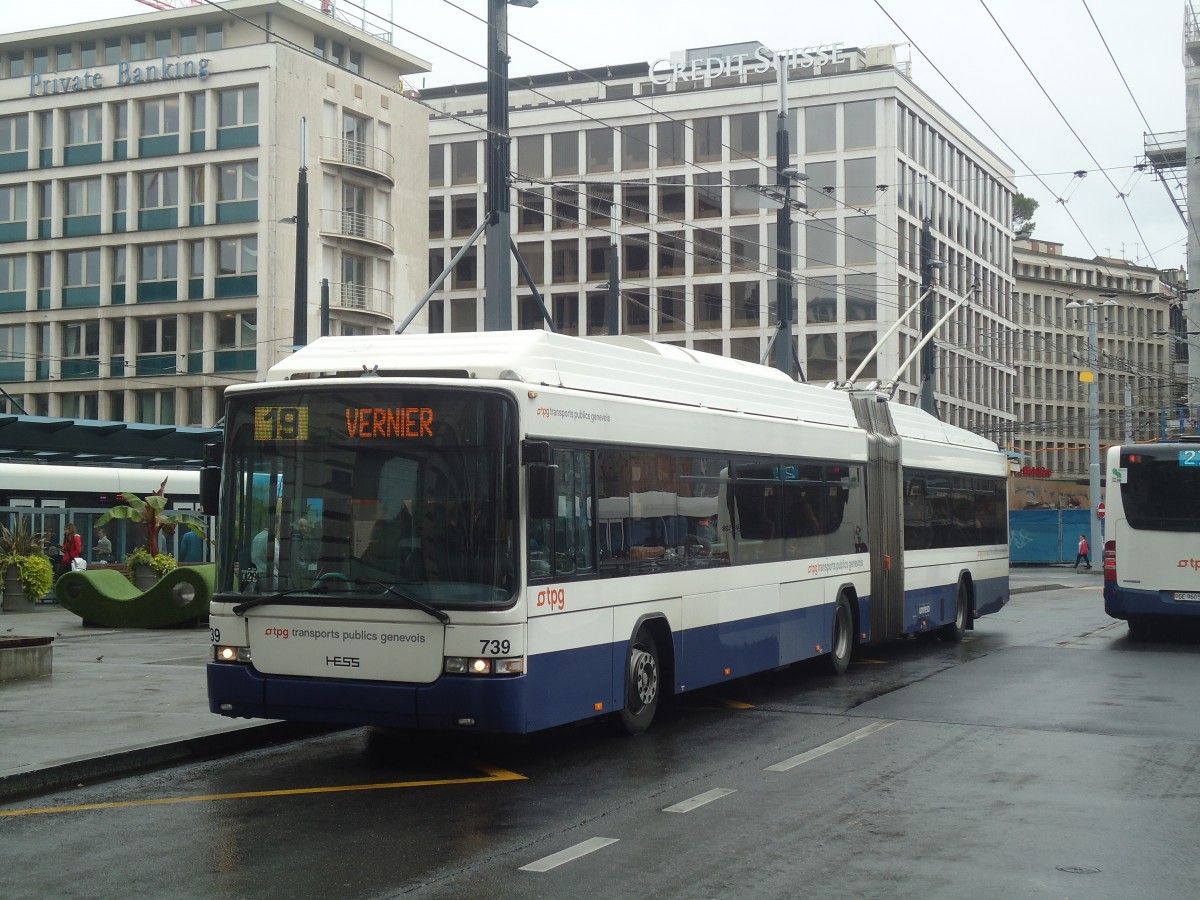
[(563, 545)]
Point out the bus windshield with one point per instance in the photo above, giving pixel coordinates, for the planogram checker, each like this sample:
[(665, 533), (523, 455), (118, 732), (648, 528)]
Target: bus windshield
[(365, 497), (1161, 491)]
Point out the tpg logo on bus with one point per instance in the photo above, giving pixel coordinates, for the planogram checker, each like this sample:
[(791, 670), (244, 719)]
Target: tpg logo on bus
[(555, 598)]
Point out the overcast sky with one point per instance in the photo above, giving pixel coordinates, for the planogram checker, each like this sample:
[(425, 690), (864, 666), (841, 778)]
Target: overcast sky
[(1056, 38)]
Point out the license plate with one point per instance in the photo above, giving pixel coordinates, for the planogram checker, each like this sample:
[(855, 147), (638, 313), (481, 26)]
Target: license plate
[(1187, 597)]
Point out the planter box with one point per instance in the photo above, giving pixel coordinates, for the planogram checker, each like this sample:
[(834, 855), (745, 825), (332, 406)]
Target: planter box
[(25, 657)]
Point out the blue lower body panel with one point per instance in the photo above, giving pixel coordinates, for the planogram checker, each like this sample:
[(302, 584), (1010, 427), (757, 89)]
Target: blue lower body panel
[(1121, 603), (496, 704)]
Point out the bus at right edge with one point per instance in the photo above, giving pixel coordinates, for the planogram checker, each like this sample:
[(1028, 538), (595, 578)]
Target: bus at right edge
[(1152, 534)]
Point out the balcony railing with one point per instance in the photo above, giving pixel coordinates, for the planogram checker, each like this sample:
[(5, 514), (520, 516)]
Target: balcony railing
[(354, 225), (359, 155), (361, 298)]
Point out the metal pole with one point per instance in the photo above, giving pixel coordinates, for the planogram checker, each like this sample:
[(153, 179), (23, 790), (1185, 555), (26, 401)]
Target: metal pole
[(784, 354), (497, 285), (324, 307), (1095, 539), (928, 353), (300, 300), (1129, 410), (614, 271)]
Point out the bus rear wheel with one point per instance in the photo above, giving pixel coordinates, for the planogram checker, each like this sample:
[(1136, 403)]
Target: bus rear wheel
[(841, 641), (642, 684), (955, 629), (1139, 627)]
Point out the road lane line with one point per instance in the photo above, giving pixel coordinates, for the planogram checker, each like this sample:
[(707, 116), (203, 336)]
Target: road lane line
[(686, 806), (554, 860), (837, 744), (494, 774)]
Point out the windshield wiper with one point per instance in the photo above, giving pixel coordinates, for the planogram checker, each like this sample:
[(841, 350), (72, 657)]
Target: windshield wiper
[(271, 598), (407, 598)]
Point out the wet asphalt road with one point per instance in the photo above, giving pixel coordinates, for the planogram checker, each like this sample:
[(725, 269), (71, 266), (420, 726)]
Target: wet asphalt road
[(1046, 756)]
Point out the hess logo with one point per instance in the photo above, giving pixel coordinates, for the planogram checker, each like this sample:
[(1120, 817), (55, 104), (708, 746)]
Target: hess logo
[(344, 662), (554, 598)]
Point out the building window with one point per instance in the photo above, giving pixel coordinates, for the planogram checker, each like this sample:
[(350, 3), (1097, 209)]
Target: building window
[(237, 193), (819, 129), (564, 153), (744, 301), (12, 352), (237, 107), (80, 339), (157, 335), (156, 407), (531, 156), (16, 64), (83, 126), (821, 300), (744, 248), (600, 150), (237, 336), (860, 298), (237, 267), (670, 143), (137, 47), (189, 42), (41, 60), (743, 135), (464, 216), (88, 55), (635, 146), (160, 116), (859, 122), (214, 37), (820, 239), (82, 207), (860, 240), (709, 306), (112, 51), (12, 274), (159, 190), (14, 133), (437, 165), (160, 44), (706, 139), (64, 59), (13, 206), (707, 193), (158, 268), (462, 162)]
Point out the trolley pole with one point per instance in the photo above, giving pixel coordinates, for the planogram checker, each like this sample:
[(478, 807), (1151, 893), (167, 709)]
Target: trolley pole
[(928, 352)]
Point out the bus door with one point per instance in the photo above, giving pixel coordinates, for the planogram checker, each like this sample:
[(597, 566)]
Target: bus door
[(885, 527)]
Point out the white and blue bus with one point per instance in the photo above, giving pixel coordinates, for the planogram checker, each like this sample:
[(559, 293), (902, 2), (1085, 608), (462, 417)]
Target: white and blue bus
[(512, 531), (1152, 530)]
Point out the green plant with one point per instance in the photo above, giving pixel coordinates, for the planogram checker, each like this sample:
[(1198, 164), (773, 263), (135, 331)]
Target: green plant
[(150, 513), (19, 542), (37, 576), (161, 563)]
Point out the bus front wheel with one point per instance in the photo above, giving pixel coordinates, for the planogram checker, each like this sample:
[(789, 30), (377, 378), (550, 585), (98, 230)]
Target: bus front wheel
[(641, 684), (841, 641)]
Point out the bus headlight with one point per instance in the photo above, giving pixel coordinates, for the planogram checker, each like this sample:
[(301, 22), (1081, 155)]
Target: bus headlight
[(465, 665), (224, 653)]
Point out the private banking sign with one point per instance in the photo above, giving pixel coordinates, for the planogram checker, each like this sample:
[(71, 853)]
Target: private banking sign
[(752, 63), (127, 73)]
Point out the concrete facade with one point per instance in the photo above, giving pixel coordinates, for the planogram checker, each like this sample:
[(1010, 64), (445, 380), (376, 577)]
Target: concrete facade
[(674, 155), (148, 182)]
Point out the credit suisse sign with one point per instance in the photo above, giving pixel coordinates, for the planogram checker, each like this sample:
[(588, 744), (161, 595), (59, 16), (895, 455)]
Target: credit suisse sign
[(752, 63)]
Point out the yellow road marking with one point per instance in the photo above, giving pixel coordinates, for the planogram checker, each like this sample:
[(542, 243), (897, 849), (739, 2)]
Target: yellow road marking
[(868, 662), (735, 704), (493, 774)]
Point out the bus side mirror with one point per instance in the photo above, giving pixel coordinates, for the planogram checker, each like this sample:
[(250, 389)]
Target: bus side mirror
[(542, 482), (210, 490), (210, 478)]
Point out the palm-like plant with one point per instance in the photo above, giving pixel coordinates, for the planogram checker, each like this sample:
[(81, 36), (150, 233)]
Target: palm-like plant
[(150, 512)]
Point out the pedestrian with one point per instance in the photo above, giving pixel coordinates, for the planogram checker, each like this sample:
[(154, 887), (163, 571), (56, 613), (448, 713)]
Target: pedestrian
[(72, 549), (103, 548), (1084, 554)]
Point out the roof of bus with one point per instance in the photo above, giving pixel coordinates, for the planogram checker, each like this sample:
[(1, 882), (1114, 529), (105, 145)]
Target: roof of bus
[(616, 366)]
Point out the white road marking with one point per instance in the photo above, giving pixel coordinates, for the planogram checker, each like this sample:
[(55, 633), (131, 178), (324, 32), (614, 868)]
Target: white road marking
[(554, 860), (686, 806), (837, 744)]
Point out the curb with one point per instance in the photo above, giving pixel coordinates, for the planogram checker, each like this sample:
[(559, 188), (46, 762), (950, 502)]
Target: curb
[(138, 759)]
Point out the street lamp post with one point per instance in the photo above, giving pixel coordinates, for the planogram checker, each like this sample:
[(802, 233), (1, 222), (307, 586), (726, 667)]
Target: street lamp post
[(1094, 537)]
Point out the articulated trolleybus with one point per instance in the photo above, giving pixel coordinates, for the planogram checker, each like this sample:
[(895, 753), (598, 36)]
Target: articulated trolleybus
[(1152, 503), (511, 531)]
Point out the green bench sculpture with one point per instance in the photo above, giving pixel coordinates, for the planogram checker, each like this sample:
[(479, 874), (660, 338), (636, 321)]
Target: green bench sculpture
[(105, 597)]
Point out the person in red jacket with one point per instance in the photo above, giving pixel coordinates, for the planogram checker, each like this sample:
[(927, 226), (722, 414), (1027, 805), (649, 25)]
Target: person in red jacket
[(1085, 553), (72, 548)]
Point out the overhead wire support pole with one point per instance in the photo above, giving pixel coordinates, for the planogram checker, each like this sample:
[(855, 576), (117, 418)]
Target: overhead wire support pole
[(497, 282), (300, 298), (784, 351), (928, 351)]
